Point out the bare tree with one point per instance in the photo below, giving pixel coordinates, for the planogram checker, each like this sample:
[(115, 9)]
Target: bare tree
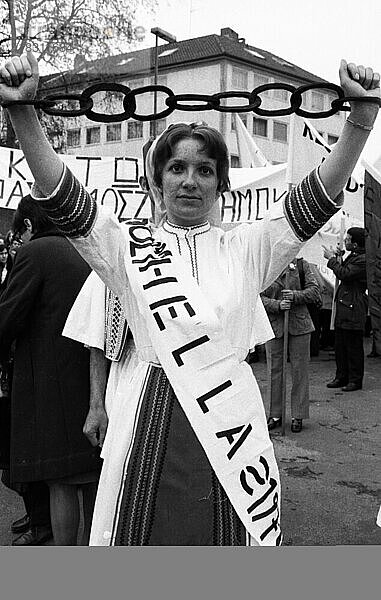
[(61, 31)]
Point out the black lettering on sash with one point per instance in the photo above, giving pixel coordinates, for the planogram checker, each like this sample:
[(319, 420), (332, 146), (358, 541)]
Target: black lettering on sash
[(274, 525), (171, 309), (177, 353), (229, 434), (202, 400), (271, 488), (155, 282), (138, 239), (154, 261), (140, 246), (267, 512), (166, 301), (254, 472)]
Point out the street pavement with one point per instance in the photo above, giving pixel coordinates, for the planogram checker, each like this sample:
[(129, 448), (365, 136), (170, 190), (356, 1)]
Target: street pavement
[(330, 472)]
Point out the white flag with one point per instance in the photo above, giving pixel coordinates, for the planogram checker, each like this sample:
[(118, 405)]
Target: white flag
[(249, 153)]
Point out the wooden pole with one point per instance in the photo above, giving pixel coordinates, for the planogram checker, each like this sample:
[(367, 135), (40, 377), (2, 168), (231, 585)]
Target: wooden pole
[(285, 352)]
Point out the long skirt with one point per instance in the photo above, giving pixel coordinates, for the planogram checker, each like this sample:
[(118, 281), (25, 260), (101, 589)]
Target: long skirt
[(157, 486)]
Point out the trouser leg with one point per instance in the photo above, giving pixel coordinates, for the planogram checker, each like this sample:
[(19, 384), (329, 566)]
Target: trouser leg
[(274, 353), (341, 355), (355, 354), (37, 503), (299, 350)]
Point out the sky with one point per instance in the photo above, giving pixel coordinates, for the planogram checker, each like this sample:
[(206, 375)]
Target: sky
[(314, 34)]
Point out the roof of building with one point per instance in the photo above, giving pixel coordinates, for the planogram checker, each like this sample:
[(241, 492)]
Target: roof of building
[(207, 48)]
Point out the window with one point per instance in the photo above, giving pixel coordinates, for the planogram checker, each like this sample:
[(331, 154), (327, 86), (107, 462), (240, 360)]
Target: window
[(161, 124), (234, 161), (281, 95), (114, 132), (73, 137), (317, 101), (136, 83), (239, 79), (161, 80), (260, 127), (261, 80), (243, 117), (134, 130), (93, 135), (280, 131), (332, 139)]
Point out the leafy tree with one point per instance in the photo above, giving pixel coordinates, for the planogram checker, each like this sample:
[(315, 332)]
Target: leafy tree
[(63, 32)]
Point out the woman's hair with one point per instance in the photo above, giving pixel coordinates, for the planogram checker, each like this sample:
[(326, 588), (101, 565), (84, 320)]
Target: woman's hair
[(357, 236), (28, 208), (213, 144)]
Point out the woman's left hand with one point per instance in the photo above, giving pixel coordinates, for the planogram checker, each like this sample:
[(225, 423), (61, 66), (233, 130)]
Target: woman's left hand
[(357, 80), (361, 82)]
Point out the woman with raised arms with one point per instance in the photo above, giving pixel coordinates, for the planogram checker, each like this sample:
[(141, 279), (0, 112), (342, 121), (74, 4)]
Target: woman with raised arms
[(187, 455)]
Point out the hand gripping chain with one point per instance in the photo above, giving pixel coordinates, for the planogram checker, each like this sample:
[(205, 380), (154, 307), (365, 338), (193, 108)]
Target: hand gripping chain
[(191, 102)]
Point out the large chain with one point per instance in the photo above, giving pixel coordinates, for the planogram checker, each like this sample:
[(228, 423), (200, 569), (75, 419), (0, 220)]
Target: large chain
[(185, 102)]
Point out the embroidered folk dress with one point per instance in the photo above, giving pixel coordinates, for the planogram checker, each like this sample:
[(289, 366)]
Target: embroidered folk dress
[(156, 485)]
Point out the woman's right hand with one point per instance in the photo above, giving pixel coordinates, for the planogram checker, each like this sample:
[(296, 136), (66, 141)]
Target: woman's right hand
[(19, 78)]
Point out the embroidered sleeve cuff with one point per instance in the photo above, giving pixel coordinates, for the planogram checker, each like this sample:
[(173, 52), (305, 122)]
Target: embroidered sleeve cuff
[(308, 206), (70, 207)]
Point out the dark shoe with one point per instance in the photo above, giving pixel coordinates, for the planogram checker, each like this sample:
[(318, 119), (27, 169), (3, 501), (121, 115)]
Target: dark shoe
[(273, 422), (35, 536), (352, 387), (296, 425), (21, 525), (336, 383), (373, 354)]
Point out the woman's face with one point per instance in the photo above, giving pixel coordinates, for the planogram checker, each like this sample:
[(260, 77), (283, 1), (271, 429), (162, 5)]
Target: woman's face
[(189, 183)]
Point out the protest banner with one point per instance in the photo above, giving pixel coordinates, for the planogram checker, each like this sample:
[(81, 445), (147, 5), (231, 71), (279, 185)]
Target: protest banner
[(112, 181)]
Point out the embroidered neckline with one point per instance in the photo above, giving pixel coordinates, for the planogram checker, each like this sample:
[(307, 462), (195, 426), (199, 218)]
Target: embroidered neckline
[(184, 231)]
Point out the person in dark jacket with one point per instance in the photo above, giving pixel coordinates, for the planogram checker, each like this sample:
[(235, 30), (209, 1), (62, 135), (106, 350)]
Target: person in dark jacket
[(50, 392), (288, 292), (351, 304)]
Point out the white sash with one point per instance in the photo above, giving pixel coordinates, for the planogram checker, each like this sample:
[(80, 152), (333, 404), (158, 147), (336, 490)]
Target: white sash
[(218, 394)]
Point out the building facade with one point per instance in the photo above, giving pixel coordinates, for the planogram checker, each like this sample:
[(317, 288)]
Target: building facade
[(205, 65)]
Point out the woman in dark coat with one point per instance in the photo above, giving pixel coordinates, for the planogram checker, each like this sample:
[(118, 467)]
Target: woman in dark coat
[(50, 395)]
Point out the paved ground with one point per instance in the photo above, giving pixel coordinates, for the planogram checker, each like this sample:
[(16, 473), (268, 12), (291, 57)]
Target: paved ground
[(331, 471)]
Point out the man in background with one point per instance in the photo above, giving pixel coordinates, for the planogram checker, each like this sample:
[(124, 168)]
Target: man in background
[(351, 310)]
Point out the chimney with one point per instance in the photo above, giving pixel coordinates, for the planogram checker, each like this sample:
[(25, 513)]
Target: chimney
[(230, 33)]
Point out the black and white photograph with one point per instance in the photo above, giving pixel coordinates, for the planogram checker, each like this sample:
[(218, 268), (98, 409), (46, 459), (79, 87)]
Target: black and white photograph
[(190, 283)]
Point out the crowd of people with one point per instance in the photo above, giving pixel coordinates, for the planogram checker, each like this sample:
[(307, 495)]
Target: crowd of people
[(144, 357)]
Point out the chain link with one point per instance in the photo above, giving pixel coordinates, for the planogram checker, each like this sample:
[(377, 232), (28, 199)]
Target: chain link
[(185, 102)]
